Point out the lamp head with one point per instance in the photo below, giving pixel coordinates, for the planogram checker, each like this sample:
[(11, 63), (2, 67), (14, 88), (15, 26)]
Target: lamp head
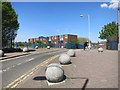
[(81, 15)]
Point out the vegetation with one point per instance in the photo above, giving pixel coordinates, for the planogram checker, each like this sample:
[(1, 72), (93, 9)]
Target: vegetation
[(37, 41), (108, 31), (75, 41), (10, 23), (82, 40)]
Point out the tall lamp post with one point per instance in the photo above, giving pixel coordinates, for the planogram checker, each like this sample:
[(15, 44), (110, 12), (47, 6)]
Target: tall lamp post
[(88, 27), (119, 24)]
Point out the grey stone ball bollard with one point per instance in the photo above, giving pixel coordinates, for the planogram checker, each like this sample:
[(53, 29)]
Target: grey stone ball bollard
[(25, 49), (71, 53), (64, 59), (54, 73), (48, 47), (1, 53), (36, 47), (100, 49)]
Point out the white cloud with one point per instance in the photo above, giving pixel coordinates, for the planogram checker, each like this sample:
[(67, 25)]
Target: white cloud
[(113, 4), (104, 5)]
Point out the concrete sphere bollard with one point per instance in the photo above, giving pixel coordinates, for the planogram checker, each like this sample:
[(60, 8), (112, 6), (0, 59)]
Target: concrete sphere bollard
[(48, 47), (36, 47), (71, 53), (89, 47), (25, 49), (100, 49), (54, 64), (1, 53), (64, 59), (62, 46), (54, 73)]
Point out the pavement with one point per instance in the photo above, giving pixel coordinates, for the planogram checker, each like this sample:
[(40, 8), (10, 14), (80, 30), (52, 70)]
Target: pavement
[(89, 69), (13, 69)]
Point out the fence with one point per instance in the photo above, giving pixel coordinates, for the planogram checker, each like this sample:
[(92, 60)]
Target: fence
[(112, 45), (68, 45)]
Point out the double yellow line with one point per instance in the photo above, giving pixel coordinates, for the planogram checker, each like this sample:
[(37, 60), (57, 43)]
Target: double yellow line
[(26, 75)]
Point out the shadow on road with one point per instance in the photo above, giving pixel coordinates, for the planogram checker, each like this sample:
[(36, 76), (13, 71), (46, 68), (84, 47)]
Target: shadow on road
[(40, 78), (31, 50), (44, 78), (83, 88)]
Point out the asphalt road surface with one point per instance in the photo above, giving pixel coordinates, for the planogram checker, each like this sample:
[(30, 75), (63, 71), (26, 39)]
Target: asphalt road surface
[(14, 68)]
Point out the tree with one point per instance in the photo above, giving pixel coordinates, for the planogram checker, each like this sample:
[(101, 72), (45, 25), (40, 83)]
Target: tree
[(10, 23), (75, 41), (82, 40), (108, 31), (37, 41)]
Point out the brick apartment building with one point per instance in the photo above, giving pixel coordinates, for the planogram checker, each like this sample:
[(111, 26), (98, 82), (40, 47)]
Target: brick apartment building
[(59, 40)]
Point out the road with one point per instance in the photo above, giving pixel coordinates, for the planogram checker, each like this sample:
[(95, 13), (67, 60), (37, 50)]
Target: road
[(15, 68)]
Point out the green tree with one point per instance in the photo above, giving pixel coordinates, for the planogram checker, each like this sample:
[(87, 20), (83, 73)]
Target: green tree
[(75, 41), (10, 23), (37, 41), (82, 40), (108, 31)]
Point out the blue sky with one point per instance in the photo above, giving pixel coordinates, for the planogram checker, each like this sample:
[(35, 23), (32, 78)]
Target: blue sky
[(57, 18)]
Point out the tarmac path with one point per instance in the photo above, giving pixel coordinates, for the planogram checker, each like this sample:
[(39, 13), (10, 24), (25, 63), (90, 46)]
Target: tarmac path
[(12, 69)]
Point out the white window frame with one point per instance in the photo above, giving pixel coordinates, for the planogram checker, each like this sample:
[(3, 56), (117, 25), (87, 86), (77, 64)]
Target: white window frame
[(66, 36), (55, 37), (49, 38)]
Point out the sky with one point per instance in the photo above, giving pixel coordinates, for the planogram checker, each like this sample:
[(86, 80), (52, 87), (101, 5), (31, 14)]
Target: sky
[(58, 18)]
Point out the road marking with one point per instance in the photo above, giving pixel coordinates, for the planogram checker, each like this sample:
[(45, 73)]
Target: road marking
[(0, 71), (19, 57), (26, 75), (30, 60), (13, 58), (19, 63)]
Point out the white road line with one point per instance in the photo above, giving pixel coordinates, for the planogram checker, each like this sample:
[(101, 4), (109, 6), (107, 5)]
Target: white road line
[(4, 70), (30, 60), (19, 63), (0, 71)]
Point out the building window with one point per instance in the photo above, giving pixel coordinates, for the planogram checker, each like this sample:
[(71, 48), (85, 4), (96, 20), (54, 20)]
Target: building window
[(55, 37), (65, 42), (66, 36), (37, 39), (55, 42), (49, 38), (44, 42), (61, 37)]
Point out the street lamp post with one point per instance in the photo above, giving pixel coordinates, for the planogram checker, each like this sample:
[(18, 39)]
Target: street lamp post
[(88, 26), (119, 24)]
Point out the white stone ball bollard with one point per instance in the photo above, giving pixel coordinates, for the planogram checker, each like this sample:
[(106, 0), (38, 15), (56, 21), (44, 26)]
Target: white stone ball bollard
[(1, 53), (54, 64), (62, 46), (64, 59), (100, 49), (36, 47), (71, 53), (48, 47), (89, 47), (54, 73), (25, 49)]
